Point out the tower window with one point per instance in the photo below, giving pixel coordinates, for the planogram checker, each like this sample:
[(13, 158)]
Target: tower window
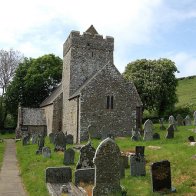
[(110, 102)]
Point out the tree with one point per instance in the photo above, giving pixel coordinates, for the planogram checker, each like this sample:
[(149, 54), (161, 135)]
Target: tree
[(9, 61), (34, 80), (156, 83)]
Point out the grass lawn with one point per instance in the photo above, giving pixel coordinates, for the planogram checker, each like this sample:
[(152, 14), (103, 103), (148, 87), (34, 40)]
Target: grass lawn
[(177, 151), (2, 149), (7, 136)]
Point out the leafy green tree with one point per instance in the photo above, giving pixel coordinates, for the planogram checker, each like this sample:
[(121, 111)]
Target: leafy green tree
[(156, 83), (34, 80)]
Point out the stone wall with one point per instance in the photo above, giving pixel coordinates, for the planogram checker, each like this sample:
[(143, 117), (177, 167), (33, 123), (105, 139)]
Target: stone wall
[(57, 113), (49, 116), (122, 118)]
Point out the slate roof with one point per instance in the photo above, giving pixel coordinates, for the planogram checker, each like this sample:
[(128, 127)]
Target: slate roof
[(50, 99), (92, 30)]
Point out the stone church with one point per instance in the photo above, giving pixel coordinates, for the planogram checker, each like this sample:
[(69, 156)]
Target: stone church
[(93, 96)]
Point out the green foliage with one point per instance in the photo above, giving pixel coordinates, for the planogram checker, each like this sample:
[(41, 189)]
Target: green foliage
[(34, 80), (176, 150), (2, 149), (3, 112), (155, 82)]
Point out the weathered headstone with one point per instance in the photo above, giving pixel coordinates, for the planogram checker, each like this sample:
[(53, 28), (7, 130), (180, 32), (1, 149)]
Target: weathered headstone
[(85, 175), (187, 120), (93, 133), (170, 132), (179, 120), (26, 139), (60, 141), (135, 135), (46, 152), (34, 138), (191, 139), (172, 122), (87, 153), (156, 136), (161, 177), (137, 165), (69, 156), (148, 130), (107, 169), (194, 117), (51, 137), (161, 121), (69, 139), (58, 175), (41, 141)]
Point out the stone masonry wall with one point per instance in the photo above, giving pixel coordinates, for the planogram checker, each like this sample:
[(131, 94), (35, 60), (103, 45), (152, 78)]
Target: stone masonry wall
[(122, 118), (49, 116)]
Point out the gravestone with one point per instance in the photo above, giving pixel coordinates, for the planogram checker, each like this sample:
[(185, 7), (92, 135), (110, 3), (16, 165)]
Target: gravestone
[(85, 175), (58, 175), (161, 121), (172, 122), (26, 139), (69, 156), (51, 137), (139, 150), (107, 169), (87, 153), (122, 167), (170, 132), (34, 138), (187, 120), (125, 160), (137, 165), (156, 136), (179, 120), (148, 132), (161, 177), (41, 141), (191, 139), (46, 152), (135, 135), (60, 141), (69, 139), (194, 117), (93, 133)]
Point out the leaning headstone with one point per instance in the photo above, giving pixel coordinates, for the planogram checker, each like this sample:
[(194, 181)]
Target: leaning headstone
[(187, 120), (170, 132), (194, 117), (60, 141), (161, 121), (87, 153), (46, 152), (148, 130), (107, 169), (179, 120), (69, 156), (34, 138), (26, 139), (85, 176), (58, 175), (51, 137), (41, 141), (156, 136), (191, 139), (69, 139), (161, 177)]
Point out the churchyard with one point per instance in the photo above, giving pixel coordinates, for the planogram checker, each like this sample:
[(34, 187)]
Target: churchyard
[(177, 151)]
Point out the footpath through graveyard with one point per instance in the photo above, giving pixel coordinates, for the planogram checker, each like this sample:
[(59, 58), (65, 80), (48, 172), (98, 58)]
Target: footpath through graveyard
[(10, 181)]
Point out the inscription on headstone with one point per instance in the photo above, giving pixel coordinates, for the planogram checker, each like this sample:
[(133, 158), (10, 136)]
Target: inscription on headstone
[(60, 141)]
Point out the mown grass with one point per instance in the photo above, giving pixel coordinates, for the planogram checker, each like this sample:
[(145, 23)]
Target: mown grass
[(177, 151), (186, 92), (2, 149), (7, 136)]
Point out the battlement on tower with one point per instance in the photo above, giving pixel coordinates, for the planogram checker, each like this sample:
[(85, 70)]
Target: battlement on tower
[(88, 40)]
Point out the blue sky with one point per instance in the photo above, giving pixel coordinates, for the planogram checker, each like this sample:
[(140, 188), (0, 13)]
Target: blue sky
[(149, 29)]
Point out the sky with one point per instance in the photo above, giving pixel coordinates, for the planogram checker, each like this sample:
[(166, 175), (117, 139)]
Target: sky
[(150, 29)]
